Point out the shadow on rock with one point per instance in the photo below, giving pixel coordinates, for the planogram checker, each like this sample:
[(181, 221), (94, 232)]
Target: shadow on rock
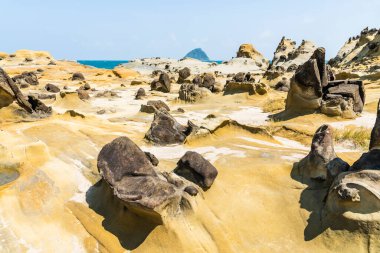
[(129, 228), (313, 200)]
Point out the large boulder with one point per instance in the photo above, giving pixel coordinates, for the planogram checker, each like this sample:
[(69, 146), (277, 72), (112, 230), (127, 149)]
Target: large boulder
[(166, 130), (153, 105), (140, 93), (183, 74), (192, 93), (131, 175), (322, 162), (52, 88), (163, 84), (196, 169), (78, 77), (353, 200), (208, 81), (244, 82), (305, 92), (26, 79)]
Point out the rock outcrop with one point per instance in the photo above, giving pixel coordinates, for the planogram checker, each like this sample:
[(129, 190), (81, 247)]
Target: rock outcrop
[(140, 93), (131, 175), (26, 79), (153, 105), (354, 197), (166, 130), (322, 162), (183, 74), (9, 92), (52, 88), (196, 169), (163, 84), (248, 51), (192, 93), (363, 48), (244, 82), (310, 90), (287, 58), (78, 77)]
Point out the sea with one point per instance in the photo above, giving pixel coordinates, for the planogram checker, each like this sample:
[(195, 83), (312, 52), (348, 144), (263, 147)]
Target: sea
[(105, 64)]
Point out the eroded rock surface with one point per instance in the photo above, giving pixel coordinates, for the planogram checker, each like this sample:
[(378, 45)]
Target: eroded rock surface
[(322, 162)]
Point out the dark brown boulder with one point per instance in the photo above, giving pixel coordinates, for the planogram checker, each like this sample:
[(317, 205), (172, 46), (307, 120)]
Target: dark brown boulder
[(349, 90), (134, 181), (153, 105), (208, 81), (26, 78), (140, 93), (183, 74), (305, 92), (52, 88), (195, 168), (319, 56), (239, 77), (197, 80), (166, 130), (322, 162), (163, 84), (78, 77)]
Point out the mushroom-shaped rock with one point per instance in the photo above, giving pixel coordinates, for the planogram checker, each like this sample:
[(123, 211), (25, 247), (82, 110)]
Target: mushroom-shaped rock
[(194, 167), (322, 162), (128, 171), (78, 77), (153, 105), (166, 130)]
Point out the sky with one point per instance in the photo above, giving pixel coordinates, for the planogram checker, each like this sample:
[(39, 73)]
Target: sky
[(129, 29)]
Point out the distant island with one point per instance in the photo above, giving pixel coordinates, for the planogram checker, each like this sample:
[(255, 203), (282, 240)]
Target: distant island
[(198, 54)]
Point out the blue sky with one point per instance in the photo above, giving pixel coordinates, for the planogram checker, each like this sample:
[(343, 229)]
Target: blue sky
[(99, 29)]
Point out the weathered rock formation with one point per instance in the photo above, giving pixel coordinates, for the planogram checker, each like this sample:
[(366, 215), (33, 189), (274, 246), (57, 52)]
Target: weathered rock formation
[(166, 130), (287, 58), (363, 49), (322, 162), (52, 88), (248, 51), (153, 105), (354, 196), (140, 93), (311, 90), (183, 74), (196, 169), (143, 190), (26, 79), (78, 77), (192, 93), (244, 82), (9, 92), (163, 84)]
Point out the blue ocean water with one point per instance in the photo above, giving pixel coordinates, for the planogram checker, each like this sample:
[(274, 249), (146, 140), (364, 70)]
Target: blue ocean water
[(103, 64)]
